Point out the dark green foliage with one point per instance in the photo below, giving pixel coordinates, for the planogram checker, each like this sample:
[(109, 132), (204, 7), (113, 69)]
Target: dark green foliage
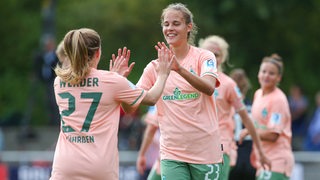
[(254, 29)]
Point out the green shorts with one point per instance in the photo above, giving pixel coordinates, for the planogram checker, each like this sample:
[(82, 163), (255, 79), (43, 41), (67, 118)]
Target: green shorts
[(269, 175), (225, 167), (176, 170)]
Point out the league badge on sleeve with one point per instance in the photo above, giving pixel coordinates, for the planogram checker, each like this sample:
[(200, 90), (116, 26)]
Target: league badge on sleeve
[(209, 66), (275, 119)]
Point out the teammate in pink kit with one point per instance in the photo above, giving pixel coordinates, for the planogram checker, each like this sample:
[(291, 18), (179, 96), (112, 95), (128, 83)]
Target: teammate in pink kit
[(229, 100), (190, 146), (271, 113), (89, 102)]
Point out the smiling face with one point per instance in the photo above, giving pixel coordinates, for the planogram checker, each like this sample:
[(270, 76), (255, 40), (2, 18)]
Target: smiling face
[(269, 76), (174, 28)]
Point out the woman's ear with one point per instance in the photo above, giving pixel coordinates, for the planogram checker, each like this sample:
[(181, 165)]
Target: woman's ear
[(190, 25), (97, 54)]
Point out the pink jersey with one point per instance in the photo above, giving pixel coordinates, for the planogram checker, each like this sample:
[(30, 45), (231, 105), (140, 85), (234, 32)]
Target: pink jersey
[(229, 100), (90, 112), (272, 112), (151, 116), (187, 118)]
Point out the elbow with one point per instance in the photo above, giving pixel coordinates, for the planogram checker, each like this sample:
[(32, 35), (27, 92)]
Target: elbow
[(209, 91), (149, 100), (150, 103), (273, 137)]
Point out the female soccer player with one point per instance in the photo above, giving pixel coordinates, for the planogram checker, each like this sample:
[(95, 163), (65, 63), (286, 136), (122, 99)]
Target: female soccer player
[(89, 102), (271, 113), (229, 100), (190, 146)]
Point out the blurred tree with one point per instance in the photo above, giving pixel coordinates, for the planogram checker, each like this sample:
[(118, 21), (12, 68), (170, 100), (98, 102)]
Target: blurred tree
[(254, 29)]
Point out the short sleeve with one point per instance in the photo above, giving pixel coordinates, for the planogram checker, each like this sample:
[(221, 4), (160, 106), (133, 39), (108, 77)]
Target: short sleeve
[(128, 93), (148, 77), (277, 117), (209, 66)]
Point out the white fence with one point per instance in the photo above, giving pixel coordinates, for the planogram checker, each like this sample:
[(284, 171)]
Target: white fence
[(307, 165)]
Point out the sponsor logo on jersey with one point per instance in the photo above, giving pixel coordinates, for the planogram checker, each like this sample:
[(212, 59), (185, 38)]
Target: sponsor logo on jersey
[(264, 112), (177, 95)]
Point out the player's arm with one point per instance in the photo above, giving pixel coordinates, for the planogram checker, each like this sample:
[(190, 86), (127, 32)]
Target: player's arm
[(146, 141), (205, 84), (248, 123), (163, 70), (268, 135)]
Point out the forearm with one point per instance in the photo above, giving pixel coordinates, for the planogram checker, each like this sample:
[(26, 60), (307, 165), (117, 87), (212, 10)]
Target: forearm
[(252, 131), (204, 84), (155, 92), (266, 135), (147, 139)]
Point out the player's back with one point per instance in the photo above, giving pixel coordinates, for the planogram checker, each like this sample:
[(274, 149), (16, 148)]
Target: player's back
[(87, 144)]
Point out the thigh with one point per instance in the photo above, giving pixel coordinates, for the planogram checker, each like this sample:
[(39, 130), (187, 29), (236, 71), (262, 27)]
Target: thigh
[(174, 170), (205, 171)]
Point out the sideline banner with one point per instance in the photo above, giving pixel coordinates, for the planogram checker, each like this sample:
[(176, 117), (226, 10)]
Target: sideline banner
[(35, 172)]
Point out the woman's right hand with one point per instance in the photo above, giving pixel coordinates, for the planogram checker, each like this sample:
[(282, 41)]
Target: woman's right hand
[(175, 64), (141, 164), (120, 64), (165, 59)]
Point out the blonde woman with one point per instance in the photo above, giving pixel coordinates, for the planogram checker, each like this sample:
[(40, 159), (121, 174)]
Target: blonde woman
[(89, 102), (190, 145), (229, 100)]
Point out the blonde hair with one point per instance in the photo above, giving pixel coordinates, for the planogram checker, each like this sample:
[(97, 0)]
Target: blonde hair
[(62, 56), (219, 41), (188, 17), (240, 77), (80, 45)]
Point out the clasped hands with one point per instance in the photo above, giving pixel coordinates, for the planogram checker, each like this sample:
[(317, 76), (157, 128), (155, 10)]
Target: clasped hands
[(120, 63)]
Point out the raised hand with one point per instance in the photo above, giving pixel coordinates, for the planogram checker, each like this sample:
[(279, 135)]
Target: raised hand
[(120, 64), (160, 45), (175, 64), (165, 59)]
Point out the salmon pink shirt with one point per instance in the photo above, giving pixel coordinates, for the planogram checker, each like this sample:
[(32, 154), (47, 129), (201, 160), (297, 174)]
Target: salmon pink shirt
[(87, 146), (229, 100), (187, 118), (271, 111)]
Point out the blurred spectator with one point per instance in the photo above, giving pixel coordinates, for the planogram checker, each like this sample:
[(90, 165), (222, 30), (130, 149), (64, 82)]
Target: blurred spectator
[(312, 141), (130, 131), (298, 104), (45, 62)]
